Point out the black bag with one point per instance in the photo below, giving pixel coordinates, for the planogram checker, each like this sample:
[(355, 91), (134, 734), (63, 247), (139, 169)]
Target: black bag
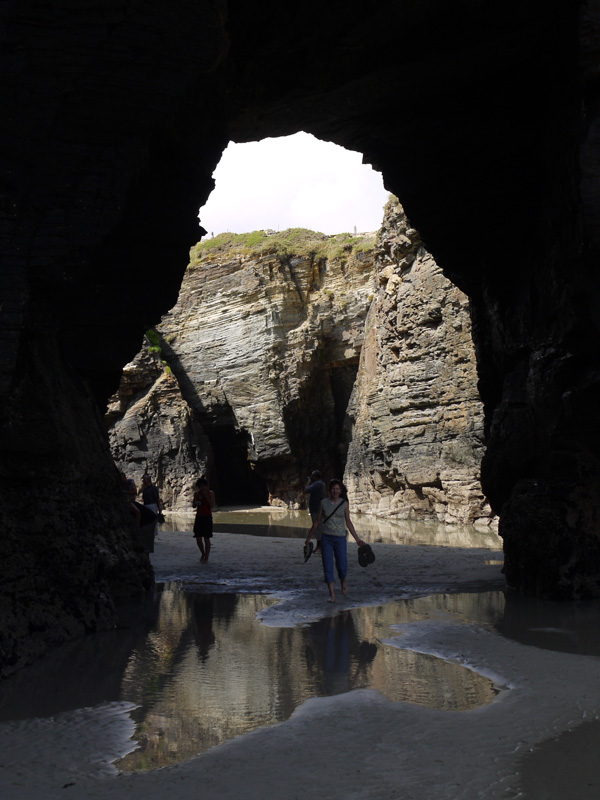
[(365, 555), (160, 517)]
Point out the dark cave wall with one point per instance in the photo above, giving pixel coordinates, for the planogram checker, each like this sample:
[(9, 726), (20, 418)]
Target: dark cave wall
[(69, 552), (486, 136), (481, 117), (100, 189)]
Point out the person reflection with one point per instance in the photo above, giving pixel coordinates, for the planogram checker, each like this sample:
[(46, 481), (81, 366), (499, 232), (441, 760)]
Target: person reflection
[(337, 654), (203, 625), (335, 657)]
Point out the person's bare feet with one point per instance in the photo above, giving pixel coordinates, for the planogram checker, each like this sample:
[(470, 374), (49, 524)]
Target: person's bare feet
[(331, 599), (344, 588)]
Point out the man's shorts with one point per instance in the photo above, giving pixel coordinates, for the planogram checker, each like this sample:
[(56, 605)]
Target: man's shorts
[(203, 527)]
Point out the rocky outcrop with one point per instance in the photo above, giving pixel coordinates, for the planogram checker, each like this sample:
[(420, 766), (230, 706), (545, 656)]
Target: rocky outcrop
[(264, 345), (417, 420), (152, 429)]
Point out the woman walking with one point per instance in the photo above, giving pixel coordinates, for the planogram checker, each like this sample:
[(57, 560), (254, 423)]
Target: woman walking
[(204, 501), (334, 518)]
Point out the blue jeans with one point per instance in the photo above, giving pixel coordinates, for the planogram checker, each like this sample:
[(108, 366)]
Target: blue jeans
[(334, 547)]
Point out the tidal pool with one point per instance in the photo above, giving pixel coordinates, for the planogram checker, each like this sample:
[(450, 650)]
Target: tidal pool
[(285, 523), (203, 669)]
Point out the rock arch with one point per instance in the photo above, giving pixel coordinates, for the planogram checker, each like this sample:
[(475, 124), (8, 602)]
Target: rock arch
[(482, 120)]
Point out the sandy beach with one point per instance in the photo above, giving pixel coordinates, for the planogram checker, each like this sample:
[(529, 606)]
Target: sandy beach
[(538, 738)]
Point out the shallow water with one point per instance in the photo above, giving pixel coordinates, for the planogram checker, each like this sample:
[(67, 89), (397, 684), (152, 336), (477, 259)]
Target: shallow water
[(272, 521), (203, 669)]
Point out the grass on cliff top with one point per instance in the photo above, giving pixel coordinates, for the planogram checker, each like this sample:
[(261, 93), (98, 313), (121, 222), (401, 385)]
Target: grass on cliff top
[(291, 242)]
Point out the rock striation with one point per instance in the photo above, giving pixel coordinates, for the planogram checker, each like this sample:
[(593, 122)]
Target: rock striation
[(417, 419), (264, 343), (152, 429), (263, 384)]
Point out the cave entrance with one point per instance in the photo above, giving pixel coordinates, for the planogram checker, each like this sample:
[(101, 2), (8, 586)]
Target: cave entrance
[(316, 424), (342, 380), (236, 483)]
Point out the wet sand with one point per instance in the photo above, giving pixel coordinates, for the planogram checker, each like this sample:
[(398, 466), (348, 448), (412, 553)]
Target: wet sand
[(358, 745)]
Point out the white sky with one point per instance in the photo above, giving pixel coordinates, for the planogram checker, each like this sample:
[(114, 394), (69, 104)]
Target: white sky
[(293, 182)]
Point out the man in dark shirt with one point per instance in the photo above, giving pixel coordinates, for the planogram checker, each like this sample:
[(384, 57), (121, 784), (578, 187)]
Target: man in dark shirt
[(315, 489)]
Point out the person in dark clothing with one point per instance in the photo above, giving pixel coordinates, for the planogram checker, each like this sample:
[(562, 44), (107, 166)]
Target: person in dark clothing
[(151, 497), (204, 502), (315, 489), (130, 493)]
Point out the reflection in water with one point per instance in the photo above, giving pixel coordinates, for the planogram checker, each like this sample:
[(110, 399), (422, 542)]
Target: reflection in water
[(209, 671), (262, 521), (201, 669), (267, 521), (426, 532)]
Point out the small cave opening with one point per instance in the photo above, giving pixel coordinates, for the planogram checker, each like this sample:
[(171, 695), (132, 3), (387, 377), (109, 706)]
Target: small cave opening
[(317, 423), (235, 482), (342, 379)]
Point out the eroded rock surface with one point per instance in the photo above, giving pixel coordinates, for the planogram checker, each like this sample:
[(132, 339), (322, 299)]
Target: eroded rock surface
[(264, 343), (82, 554), (152, 429), (265, 346), (417, 420)]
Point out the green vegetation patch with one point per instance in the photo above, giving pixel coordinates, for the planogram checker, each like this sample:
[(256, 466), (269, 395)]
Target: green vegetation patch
[(154, 340), (155, 346), (297, 242)]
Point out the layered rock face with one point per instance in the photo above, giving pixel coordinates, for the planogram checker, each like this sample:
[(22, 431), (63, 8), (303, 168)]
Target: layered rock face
[(264, 343), (152, 429), (265, 346), (417, 420), (483, 119)]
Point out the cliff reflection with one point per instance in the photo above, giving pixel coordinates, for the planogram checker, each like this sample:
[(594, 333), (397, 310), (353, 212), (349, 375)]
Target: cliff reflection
[(290, 524), (209, 671)]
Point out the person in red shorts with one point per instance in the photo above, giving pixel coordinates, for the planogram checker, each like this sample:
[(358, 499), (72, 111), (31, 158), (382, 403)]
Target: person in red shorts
[(204, 501)]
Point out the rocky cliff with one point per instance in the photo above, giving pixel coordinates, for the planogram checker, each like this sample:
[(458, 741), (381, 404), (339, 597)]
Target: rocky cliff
[(152, 429), (417, 420), (259, 383), (264, 344)]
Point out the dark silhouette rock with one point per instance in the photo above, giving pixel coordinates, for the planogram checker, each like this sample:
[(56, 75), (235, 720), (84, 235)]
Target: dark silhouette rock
[(482, 119)]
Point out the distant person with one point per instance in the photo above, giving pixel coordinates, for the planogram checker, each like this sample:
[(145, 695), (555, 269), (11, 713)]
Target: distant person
[(334, 518), (130, 493), (204, 502), (316, 490), (151, 498)]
